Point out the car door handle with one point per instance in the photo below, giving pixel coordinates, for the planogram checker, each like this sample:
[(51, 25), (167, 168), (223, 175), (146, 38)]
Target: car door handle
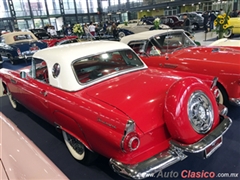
[(13, 81), (168, 65), (43, 92)]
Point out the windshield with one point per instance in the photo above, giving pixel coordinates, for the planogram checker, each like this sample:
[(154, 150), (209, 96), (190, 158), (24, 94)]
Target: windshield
[(101, 65), (173, 41)]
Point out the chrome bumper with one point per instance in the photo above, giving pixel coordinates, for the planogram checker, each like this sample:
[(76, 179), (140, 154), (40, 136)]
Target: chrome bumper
[(171, 156), (223, 110), (235, 101)]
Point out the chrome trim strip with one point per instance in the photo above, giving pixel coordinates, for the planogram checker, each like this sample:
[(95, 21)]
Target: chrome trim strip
[(130, 127), (207, 141), (214, 83), (235, 101), (149, 166)]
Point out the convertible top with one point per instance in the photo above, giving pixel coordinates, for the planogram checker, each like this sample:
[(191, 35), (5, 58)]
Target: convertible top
[(147, 35)]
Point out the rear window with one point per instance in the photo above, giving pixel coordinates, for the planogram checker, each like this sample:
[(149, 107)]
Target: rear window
[(22, 37), (97, 66)]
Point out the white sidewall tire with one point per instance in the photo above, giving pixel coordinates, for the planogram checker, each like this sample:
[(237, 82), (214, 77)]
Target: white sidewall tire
[(220, 98), (13, 102), (228, 35), (121, 35), (75, 154)]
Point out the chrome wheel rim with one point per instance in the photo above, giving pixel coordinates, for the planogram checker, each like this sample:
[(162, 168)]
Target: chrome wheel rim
[(75, 147), (121, 35)]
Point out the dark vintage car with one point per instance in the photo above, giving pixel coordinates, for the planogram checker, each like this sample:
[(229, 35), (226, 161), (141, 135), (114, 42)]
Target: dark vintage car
[(106, 101), (40, 33), (195, 19), (19, 46), (172, 21)]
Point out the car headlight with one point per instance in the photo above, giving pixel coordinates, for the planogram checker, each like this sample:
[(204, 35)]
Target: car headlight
[(200, 112)]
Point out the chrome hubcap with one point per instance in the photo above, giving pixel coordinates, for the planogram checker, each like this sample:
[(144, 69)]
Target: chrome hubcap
[(76, 145)]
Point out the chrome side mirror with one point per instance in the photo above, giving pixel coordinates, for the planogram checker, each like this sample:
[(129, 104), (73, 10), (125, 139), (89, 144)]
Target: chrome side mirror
[(23, 75)]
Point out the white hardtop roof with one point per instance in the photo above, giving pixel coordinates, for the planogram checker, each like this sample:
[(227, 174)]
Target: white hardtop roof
[(147, 35), (64, 55), (9, 36)]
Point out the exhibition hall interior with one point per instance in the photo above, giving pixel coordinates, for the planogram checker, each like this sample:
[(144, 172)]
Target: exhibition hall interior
[(119, 89)]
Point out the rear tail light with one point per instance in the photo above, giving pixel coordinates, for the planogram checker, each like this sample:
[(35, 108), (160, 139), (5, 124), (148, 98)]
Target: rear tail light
[(19, 52), (130, 140)]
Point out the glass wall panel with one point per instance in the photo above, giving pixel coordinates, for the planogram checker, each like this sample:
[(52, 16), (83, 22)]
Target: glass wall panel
[(53, 23), (81, 6), (21, 7), (22, 24), (38, 23), (71, 20), (92, 4), (4, 9), (85, 19), (30, 24), (53, 7), (135, 3), (105, 6), (46, 22), (38, 7), (5, 25), (69, 6), (94, 19), (113, 2)]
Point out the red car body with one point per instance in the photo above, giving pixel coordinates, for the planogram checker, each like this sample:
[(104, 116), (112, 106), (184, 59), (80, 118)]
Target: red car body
[(178, 52), (54, 41), (109, 102), (42, 35)]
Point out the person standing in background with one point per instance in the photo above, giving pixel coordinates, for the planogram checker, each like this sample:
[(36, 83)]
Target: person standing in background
[(87, 32), (92, 29), (212, 17), (205, 21), (186, 23)]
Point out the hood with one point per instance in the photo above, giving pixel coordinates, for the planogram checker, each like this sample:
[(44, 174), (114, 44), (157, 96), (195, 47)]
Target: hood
[(140, 95), (210, 54)]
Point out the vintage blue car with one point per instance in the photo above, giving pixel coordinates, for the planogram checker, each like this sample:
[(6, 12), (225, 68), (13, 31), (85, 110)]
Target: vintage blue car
[(19, 46)]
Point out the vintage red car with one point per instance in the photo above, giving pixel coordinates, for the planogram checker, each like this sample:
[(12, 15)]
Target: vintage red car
[(173, 49), (42, 35), (106, 101)]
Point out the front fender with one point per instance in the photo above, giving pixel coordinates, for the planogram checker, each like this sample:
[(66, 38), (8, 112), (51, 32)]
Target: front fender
[(176, 109)]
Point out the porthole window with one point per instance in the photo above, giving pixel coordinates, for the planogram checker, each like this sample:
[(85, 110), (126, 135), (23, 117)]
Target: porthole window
[(56, 70)]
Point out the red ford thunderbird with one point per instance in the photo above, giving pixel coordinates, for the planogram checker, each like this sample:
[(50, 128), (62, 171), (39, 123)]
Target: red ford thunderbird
[(106, 101), (173, 49)]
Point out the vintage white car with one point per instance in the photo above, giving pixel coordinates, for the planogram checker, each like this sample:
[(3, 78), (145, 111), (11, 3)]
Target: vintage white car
[(136, 27), (20, 158), (226, 42)]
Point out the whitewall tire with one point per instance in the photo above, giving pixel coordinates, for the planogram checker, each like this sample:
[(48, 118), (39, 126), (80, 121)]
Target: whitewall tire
[(78, 150), (228, 34), (121, 35), (13, 102)]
